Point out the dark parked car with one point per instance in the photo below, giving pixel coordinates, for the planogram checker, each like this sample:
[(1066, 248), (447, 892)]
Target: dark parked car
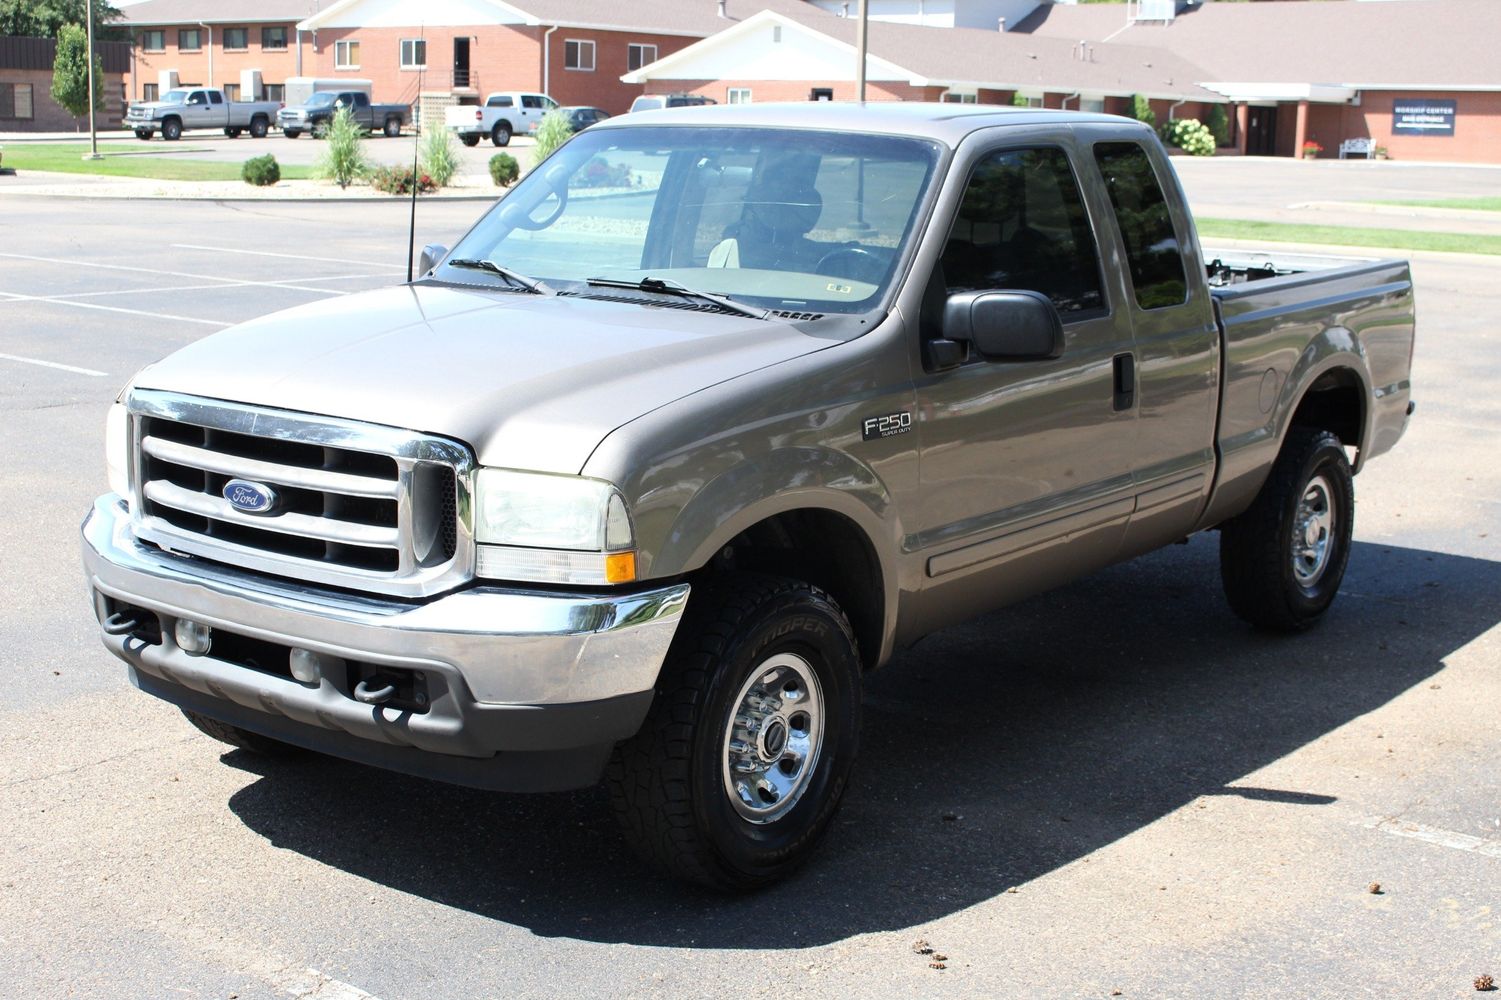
[(580, 118)]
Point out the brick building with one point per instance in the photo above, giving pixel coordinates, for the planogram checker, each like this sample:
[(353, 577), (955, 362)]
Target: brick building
[(26, 103), (213, 44)]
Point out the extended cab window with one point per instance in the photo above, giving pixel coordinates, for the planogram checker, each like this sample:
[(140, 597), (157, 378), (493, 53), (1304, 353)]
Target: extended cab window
[(1022, 225), (1152, 250)]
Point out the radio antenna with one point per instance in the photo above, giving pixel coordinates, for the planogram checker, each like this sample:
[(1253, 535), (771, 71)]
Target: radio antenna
[(416, 148)]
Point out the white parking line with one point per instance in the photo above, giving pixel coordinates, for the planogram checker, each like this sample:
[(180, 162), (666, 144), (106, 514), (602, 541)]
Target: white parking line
[(223, 281), (291, 256), (1434, 835), (13, 297), (52, 364), (310, 984)]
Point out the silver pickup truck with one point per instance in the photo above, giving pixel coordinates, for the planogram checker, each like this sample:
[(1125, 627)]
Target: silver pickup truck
[(707, 417), (186, 109)]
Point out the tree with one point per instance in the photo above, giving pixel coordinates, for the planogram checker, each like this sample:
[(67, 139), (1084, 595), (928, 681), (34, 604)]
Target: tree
[(70, 72), (44, 18), (1141, 110), (1219, 125)]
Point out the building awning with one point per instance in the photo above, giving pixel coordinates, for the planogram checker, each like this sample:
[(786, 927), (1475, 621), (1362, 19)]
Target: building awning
[(1314, 93)]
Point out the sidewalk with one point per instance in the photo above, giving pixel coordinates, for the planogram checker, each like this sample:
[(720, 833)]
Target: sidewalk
[(1361, 215)]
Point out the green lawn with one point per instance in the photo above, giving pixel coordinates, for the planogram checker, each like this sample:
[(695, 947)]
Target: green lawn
[(1474, 204), (1354, 236), (155, 163)]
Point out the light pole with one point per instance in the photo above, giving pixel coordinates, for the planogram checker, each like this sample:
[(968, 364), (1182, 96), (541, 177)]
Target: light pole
[(859, 52), (93, 153)]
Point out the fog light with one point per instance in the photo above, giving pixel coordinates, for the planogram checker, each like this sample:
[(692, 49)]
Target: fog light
[(307, 666), (193, 638)]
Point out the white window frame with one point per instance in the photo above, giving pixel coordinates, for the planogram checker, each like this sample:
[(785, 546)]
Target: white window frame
[(580, 42), (341, 53), (737, 95), (636, 55), (414, 64)]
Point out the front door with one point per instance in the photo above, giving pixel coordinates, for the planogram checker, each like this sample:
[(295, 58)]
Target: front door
[(1025, 465), (1261, 132), (461, 61)]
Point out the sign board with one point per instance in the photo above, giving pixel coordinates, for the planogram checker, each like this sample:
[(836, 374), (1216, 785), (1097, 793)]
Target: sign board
[(1420, 116)]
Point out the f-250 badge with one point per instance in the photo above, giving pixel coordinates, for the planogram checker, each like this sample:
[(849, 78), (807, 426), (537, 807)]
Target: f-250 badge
[(885, 426)]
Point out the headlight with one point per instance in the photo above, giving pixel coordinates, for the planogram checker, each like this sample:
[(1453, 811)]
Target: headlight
[(543, 528), (117, 449)]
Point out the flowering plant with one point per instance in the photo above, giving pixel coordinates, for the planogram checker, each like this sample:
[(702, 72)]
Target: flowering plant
[(1312, 149)]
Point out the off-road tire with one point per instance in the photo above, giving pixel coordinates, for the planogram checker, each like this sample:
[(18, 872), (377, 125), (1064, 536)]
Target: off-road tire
[(242, 739), (1257, 565), (500, 135), (667, 783)]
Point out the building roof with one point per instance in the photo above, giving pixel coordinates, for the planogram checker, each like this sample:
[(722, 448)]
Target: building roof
[(694, 18), (153, 12), (1405, 44), (950, 57)]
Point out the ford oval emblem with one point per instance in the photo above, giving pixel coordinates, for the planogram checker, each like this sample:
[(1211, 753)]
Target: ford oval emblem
[(252, 498)]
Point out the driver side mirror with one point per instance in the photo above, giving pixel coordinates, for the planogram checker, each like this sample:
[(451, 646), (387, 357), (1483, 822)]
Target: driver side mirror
[(1005, 326), (432, 254)]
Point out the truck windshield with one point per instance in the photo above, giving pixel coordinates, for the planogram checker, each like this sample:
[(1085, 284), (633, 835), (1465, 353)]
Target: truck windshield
[(175, 96), (778, 218), (321, 99)]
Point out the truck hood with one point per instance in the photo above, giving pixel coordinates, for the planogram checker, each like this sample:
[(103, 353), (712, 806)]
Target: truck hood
[(528, 381), (153, 107)]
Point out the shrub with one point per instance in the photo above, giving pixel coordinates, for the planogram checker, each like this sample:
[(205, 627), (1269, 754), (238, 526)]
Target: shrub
[(1219, 125), (1018, 101), (1189, 135), (1141, 110), (440, 160), (553, 131), (1311, 150), (343, 159), (504, 169), (399, 180), (262, 171)]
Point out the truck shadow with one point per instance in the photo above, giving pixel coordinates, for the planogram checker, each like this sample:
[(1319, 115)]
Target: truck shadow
[(993, 754)]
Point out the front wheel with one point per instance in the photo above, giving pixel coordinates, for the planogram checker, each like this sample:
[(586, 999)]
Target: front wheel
[(749, 745), (500, 135), (291, 133), (1281, 562), (171, 130), (243, 739), (143, 134), (233, 133)]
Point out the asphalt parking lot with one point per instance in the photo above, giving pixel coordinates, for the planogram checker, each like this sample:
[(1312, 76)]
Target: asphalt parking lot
[(1112, 787)]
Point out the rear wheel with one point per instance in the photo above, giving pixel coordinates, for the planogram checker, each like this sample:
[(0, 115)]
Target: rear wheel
[(171, 130), (469, 140), (243, 739), (393, 127), (749, 745), (501, 134), (1282, 560), (258, 128)]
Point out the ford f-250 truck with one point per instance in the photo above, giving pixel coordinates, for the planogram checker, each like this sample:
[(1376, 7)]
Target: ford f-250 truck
[(704, 419), (187, 108)]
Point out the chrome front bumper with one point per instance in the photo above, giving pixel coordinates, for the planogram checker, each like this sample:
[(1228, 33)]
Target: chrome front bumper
[(509, 669)]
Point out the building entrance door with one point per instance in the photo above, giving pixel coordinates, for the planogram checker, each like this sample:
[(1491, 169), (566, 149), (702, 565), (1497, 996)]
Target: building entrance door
[(1261, 132), (461, 62)]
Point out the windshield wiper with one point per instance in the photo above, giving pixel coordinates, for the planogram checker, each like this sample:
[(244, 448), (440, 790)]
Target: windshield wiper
[(514, 277), (666, 286)]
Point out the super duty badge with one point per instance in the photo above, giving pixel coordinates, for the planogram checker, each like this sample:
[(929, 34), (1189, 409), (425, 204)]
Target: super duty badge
[(885, 426)]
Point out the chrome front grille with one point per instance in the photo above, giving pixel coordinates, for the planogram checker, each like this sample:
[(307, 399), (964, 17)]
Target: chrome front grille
[(357, 505)]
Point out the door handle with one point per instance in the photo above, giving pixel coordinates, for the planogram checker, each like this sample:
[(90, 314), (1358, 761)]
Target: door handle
[(1125, 380)]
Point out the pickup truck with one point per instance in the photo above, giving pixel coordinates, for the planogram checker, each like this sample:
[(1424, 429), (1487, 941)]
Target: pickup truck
[(500, 117), (315, 115), (701, 422), (183, 109)]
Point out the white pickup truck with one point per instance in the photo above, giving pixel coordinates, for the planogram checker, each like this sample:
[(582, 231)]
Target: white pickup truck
[(500, 117), (199, 107)]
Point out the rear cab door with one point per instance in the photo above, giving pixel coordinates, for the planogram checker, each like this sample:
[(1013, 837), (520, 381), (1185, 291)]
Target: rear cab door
[(533, 108)]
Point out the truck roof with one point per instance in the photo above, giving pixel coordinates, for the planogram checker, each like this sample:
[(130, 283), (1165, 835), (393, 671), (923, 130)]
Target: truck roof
[(948, 123)]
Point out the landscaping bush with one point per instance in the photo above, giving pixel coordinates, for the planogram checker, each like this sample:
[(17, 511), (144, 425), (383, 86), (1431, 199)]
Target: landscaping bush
[(1219, 125), (504, 169), (399, 180), (343, 159), (1189, 135), (262, 171), (1141, 110), (1018, 101), (552, 132), (440, 159)]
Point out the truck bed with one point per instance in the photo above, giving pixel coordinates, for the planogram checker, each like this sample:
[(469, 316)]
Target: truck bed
[(1279, 315)]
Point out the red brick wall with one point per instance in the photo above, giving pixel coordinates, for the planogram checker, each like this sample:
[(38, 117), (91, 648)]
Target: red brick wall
[(602, 87), (49, 116), (1477, 127), (193, 67), (765, 91)]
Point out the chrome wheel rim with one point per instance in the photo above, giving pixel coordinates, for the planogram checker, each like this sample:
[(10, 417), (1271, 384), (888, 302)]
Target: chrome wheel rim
[(773, 737), (1313, 532)]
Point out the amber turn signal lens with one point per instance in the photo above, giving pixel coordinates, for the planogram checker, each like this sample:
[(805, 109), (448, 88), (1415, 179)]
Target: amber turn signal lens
[(620, 567)]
